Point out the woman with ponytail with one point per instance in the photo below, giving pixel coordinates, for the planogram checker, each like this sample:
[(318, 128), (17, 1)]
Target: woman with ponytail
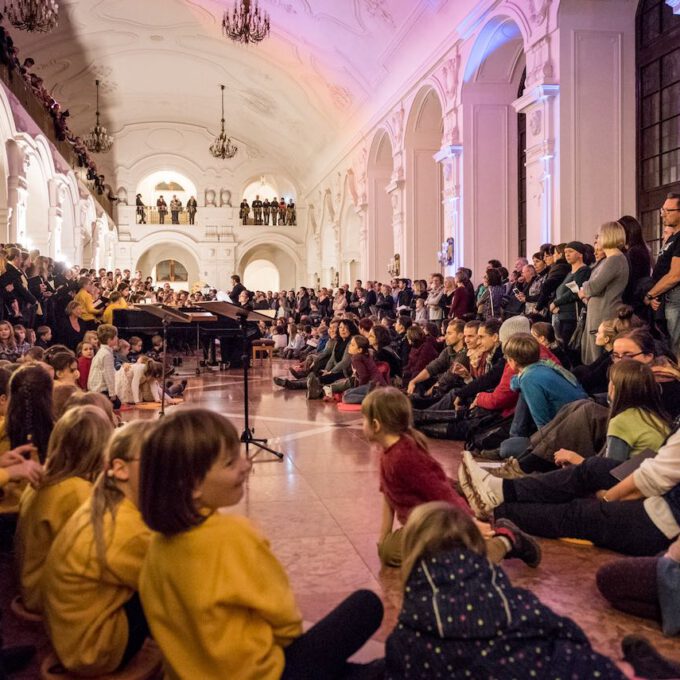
[(410, 476), (92, 609)]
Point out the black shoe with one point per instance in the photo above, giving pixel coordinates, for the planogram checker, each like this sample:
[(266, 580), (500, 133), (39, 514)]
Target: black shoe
[(427, 416), (16, 658), (281, 382), (524, 546), (435, 430), (314, 390), (646, 661), (300, 375)]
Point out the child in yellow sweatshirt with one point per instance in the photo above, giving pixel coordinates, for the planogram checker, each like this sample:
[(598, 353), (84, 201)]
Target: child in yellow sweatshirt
[(90, 581), (218, 602), (74, 459)]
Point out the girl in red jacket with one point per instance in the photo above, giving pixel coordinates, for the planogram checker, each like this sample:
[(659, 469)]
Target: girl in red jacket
[(410, 476)]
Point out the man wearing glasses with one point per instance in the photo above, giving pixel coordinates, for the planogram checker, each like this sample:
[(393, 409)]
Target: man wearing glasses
[(666, 274)]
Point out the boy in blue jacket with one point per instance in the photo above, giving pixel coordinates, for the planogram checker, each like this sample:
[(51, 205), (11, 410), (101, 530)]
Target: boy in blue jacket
[(545, 388)]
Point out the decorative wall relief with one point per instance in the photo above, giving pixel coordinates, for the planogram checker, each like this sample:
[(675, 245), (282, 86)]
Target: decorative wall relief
[(210, 196), (225, 198)]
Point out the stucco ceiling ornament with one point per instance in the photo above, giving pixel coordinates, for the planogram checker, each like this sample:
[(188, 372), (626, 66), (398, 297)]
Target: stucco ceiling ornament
[(539, 14), (397, 122), (451, 73), (535, 122), (378, 9)]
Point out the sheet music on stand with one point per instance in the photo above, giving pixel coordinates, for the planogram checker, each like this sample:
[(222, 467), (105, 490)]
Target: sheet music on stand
[(167, 315)]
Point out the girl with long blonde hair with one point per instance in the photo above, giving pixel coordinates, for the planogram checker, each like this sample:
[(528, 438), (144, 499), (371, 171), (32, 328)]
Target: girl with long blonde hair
[(90, 581), (74, 459)]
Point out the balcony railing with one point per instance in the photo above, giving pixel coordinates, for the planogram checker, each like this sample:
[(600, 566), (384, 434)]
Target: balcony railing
[(152, 216), (36, 111)]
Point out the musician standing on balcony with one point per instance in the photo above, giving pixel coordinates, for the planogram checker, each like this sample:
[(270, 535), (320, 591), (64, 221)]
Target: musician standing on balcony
[(245, 211), (140, 209), (290, 212), (257, 210), (175, 209), (282, 211), (162, 209), (266, 211), (192, 208)]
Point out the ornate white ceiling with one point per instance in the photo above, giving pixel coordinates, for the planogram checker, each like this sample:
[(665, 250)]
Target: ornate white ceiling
[(160, 63)]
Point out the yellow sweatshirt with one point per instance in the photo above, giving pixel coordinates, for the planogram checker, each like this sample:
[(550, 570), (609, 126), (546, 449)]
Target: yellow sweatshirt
[(42, 514), (86, 301), (10, 494), (218, 602), (83, 605), (107, 317)]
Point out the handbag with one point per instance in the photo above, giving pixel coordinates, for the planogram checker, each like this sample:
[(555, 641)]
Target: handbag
[(577, 336)]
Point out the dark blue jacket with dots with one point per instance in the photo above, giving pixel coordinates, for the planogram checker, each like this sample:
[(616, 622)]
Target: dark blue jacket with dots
[(462, 618)]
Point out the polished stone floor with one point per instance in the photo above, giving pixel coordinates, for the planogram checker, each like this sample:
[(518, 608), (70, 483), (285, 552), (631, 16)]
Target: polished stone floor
[(321, 506), (321, 510)]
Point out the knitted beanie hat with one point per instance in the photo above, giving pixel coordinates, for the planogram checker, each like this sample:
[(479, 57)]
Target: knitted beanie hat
[(512, 326)]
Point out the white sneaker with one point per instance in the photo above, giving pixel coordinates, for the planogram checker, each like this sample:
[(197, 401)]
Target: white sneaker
[(472, 479), (328, 391)]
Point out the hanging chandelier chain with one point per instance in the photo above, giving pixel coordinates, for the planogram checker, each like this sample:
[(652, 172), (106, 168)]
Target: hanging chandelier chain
[(222, 146), (98, 140)]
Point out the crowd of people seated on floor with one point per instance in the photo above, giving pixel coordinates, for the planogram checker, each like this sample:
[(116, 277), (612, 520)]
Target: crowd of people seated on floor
[(568, 427)]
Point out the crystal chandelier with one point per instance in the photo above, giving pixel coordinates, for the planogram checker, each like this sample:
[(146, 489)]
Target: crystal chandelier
[(98, 140), (246, 24), (222, 146), (36, 16)]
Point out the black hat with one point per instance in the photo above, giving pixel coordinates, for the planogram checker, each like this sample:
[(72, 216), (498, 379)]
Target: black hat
[(577, 246)]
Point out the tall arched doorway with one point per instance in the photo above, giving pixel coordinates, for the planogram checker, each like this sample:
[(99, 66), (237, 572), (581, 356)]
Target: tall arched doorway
[(262, 275), (658, 112), (490, 138), (170, 263), (277, 261), (381, 234), (424, 209)]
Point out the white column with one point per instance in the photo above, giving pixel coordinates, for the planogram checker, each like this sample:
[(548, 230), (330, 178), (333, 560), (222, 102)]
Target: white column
[(52, 240), (17, 197), (362, 212), (451, 159), (395, 190), (540, 104)]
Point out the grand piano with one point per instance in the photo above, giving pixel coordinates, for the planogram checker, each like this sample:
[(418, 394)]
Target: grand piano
[(199, 333)]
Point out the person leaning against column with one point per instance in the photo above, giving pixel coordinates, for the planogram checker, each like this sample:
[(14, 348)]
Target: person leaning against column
[(666, 273)]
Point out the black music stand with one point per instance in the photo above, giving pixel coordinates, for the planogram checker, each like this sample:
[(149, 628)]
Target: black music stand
[(241, 315), (166, 315)]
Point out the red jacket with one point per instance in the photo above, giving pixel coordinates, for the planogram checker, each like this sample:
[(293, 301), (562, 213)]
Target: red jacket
[(410, 476), (366, 370), (460, 304), (503, 398)]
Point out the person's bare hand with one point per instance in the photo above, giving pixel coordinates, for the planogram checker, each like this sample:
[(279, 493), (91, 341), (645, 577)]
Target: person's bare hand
[(27, 469), (564, 457), (485, 529), (655, 304)]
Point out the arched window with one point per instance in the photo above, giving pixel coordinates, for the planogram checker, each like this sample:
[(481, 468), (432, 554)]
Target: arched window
[(171, 271), (658, 112)]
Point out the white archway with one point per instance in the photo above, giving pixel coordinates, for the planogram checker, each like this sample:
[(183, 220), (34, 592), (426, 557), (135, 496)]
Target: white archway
[(277, 257), (170, 250), (490, 191), (424, 231), (262, 275), (381, 234)]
